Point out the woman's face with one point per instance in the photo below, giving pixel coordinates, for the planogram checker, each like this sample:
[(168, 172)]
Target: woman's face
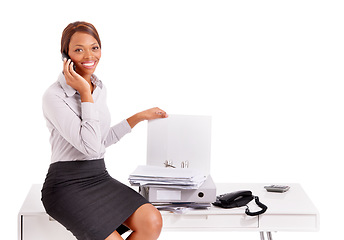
[(85, 52)]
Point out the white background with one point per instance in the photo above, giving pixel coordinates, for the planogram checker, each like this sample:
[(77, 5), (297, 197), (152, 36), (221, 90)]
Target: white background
[(270, 73)]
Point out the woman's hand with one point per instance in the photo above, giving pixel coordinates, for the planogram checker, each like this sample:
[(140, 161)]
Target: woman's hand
[(148, 114), (77, 82), (153, 113)]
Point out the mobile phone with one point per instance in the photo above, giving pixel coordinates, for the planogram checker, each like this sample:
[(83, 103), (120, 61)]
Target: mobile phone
[(64, 55)]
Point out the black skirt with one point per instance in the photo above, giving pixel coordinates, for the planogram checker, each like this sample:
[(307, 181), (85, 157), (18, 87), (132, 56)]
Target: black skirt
[(84, 198)]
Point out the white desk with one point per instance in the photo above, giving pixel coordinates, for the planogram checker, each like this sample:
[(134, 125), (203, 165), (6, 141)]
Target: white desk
[(290, 211)]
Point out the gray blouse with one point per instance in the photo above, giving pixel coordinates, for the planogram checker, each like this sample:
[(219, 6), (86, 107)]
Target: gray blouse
[(79, 130)]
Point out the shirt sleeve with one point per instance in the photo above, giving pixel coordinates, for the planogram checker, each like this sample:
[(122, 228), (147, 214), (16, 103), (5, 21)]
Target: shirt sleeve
[(83, 131), (117, 132)]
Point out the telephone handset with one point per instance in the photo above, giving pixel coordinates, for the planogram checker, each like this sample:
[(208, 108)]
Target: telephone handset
[(239, 199), (64, 55)]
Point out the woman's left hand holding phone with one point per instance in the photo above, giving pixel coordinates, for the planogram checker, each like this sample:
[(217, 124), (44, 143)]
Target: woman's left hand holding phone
[(76, 81)]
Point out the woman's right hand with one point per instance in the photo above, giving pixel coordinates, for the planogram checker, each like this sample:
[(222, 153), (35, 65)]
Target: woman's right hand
[(73, 79), (76, 81)]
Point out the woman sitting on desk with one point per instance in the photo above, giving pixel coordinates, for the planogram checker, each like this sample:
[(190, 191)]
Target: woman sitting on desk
[(78, 192)]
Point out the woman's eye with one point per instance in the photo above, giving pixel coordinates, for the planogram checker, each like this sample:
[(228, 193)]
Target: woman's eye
[(78, 50), (96, 48)]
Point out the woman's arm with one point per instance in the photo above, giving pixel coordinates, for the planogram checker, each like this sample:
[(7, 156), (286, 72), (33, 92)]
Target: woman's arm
[(118, 131), (149, 114), (83, 131)]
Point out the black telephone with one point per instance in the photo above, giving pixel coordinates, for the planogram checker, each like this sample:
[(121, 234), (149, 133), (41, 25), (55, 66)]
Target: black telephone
[(64, 55), (239, 199)]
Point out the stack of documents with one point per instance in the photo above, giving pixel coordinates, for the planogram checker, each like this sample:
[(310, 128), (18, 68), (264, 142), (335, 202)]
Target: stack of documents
[(181, 208), (177, 178)]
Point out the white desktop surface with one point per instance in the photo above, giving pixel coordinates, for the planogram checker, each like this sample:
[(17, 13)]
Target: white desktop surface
[(289, 211)]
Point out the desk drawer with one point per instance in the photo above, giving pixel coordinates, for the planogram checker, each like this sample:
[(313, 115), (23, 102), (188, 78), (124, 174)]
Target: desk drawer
[(199, 222), (39, 227), (290, 222)]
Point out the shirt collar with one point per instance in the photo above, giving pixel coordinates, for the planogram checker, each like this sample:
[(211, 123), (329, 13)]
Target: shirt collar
[(96, 81), (71, 91)]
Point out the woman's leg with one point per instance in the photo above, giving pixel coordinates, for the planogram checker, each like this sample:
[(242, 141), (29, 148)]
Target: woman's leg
[(145, 222), (114, 236)]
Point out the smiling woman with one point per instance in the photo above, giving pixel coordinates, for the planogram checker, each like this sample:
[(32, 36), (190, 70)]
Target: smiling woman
[(84, 51), (78, 191), (81, 43)]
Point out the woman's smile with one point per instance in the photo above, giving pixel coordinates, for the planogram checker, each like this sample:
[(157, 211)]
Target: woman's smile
[(89, 64)]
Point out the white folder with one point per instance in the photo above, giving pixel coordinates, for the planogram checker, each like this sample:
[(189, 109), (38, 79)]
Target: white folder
[(180, 139)]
